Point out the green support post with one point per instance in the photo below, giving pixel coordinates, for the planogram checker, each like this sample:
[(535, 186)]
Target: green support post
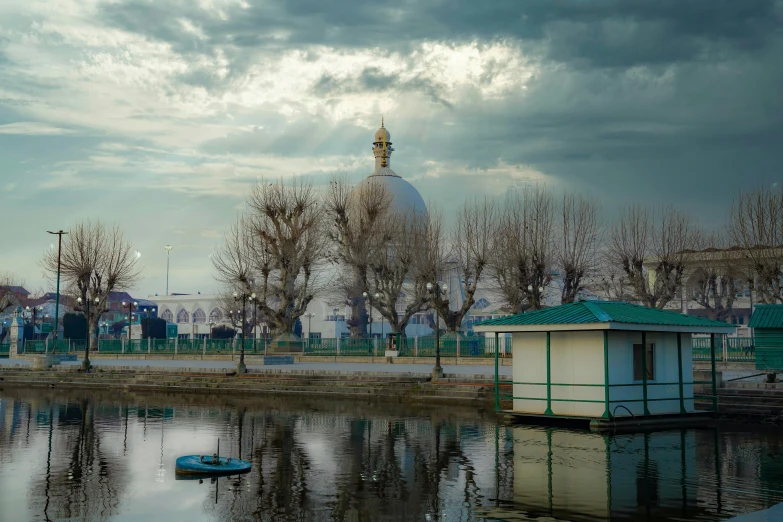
[(714, 375), (607, 413), (679, 366), (497, 359), (548, 375), (644, 372)]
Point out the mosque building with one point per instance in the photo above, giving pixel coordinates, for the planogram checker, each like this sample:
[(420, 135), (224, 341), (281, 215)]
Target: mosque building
[(327, 317)]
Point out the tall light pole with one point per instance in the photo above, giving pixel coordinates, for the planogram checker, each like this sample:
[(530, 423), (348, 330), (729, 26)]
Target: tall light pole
[(59, 235), (131, 305), (436, 291), (168, 255)]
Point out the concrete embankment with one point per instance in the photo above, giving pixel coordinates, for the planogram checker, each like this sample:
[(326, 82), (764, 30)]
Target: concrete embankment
[(394, 386)]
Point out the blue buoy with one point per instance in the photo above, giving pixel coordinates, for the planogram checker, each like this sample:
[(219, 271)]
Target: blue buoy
[(209, 465)]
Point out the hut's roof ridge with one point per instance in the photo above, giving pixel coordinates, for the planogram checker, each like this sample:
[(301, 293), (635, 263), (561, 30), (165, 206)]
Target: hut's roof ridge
[(586, 312), (767, 316)]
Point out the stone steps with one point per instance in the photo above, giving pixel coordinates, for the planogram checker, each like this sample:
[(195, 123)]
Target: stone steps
[(341, 385)]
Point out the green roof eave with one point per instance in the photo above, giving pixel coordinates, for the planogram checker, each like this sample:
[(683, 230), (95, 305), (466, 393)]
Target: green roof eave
[(602, 315), (767, 316), (628, 327)]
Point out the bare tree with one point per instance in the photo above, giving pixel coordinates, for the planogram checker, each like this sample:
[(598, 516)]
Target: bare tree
[(404, 258), (472, 245), (356, 217), (757, 228), (716, 276), (610, 284), (8, 292), (580, 229), (275, 250), (648, 247), (95, 261), (523, 261)]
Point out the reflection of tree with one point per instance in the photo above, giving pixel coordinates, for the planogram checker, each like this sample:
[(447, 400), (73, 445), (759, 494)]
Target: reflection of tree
[(277, 487), (400, 464), (85, 484)]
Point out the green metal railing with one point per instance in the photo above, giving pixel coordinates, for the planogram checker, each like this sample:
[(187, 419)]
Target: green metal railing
[(738, 349), (5, 349), (474, 346)]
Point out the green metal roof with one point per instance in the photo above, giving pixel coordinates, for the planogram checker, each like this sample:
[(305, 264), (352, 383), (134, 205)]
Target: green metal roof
[(767, 316), (585, 312)]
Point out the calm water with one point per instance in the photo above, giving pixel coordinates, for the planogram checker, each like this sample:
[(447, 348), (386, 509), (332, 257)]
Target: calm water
[(110, 456)]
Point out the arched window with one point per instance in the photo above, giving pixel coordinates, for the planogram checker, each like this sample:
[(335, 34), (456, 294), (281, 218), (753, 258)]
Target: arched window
[(215, 316), (183, 316), (199, 316), (481, 304), (167, 316)]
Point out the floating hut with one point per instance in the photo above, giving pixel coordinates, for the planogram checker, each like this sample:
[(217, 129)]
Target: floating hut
[(604, 362)]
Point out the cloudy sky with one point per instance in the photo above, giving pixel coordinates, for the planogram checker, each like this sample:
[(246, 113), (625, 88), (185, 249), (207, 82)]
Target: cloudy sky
[(160, 114)]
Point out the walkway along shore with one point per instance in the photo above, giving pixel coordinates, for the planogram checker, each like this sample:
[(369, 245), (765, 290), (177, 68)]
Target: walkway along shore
[(461, 385)]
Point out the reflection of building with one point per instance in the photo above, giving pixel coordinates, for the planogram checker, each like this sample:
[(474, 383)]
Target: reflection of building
[(572, 475), (600, 359)]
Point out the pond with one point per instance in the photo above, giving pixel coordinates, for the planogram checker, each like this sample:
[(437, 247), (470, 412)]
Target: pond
[(81, 455)]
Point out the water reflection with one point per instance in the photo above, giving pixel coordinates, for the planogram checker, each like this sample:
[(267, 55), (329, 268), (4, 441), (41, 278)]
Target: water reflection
[(98, 456)]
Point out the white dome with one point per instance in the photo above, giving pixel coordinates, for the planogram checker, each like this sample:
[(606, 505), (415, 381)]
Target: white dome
[(405, 197)]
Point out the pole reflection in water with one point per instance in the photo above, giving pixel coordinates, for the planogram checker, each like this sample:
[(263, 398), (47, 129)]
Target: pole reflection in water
[(331, 460)]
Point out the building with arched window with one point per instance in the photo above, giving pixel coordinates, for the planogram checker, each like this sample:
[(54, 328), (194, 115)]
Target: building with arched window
[(183, 316), (199, 316)]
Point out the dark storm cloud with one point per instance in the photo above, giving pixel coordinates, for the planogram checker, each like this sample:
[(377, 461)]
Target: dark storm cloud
[(597, 32)]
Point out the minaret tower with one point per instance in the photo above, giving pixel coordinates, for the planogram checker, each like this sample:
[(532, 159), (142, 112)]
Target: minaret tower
[(382, 149)]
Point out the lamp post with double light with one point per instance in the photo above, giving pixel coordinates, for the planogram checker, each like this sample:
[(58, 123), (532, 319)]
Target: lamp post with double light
[(437, 291), (244, 297), (33, 312), (536, 293), (131, 306), (86, 362)]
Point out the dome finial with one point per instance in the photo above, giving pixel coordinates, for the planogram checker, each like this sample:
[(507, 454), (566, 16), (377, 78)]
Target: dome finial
[(381, 120)]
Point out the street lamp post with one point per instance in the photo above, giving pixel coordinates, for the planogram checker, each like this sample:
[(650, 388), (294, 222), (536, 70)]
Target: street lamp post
[(130, 305), (254, 326), (531, 289), (168, 255), (34, 311), (243, 298), (147, 312), (369, 297), (309, 316), (59, 235), (436, 290), (86, 362)]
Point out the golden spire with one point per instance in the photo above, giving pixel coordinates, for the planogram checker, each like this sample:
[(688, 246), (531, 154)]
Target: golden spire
[(383, 156)]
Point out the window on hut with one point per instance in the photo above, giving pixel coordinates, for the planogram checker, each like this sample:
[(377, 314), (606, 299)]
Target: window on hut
[(637, 362)]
